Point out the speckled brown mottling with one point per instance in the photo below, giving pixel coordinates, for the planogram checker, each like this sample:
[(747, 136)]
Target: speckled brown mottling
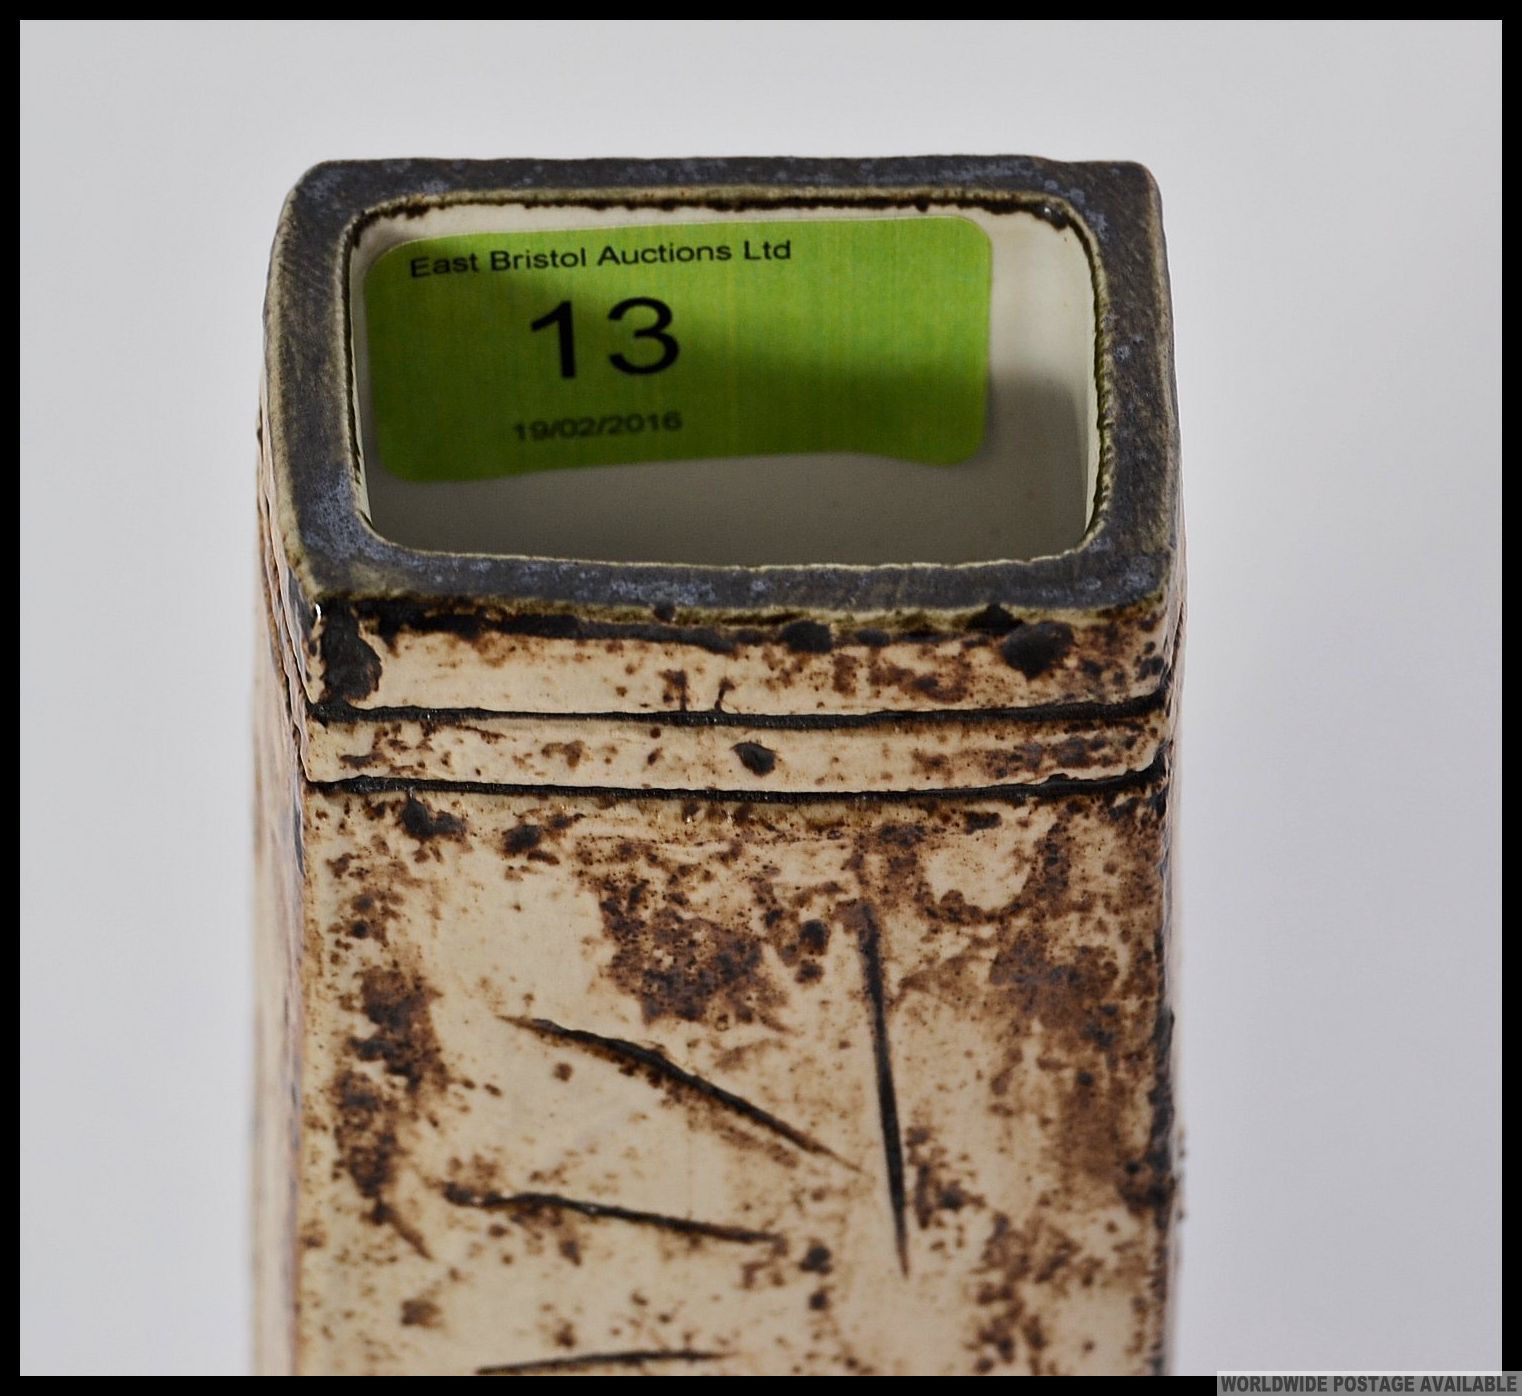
[(424, 823), (1035, 648), (403, 1041), (759, 760), (680, 964), (423, 1313), (351, 667), (521, 838)]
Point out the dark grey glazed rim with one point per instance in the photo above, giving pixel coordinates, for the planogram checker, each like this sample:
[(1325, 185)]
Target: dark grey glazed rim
[(1125, 557)]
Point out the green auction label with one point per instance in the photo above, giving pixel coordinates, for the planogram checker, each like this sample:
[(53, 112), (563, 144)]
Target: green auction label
[(502, 353)]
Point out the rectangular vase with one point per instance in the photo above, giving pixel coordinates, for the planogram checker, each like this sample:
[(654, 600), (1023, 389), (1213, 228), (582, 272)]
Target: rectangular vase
[(721, 933)]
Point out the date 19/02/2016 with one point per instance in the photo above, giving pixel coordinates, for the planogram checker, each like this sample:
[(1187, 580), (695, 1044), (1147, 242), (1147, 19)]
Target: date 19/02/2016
[(610, 424)]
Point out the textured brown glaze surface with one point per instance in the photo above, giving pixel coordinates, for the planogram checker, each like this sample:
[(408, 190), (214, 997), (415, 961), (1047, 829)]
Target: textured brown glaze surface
[(666, 989), (605, 1080), (614, 1089)]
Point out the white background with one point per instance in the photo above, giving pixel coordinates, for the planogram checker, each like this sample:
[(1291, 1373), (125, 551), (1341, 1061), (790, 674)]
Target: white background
[(1332, 202)]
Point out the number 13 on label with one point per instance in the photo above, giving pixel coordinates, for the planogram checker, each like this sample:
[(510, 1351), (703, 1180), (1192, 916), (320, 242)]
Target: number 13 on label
[(560, 317)]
